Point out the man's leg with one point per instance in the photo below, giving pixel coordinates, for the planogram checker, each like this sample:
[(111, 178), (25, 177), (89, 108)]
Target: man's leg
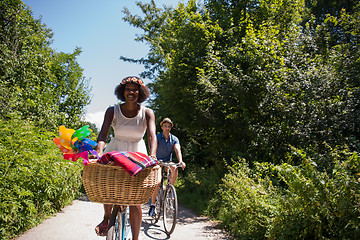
[(155, 193), (173, 174), (153, 199)]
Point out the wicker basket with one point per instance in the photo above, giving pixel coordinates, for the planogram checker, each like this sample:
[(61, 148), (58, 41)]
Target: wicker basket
[(113, 185)]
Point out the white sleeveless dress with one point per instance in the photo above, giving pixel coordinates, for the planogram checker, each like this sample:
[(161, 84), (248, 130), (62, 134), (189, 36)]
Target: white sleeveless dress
[(129, 132)]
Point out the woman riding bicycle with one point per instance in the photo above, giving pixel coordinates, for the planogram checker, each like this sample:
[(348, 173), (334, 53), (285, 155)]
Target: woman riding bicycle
[(130, 121)]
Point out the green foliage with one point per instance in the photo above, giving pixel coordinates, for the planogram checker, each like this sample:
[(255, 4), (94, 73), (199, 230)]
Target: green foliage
[(250, 79), (246, 202), (34, 179), (320, 204), (253, 73), (70, 87), (196, 187), (37, 83), (40, 90), (292, 202)]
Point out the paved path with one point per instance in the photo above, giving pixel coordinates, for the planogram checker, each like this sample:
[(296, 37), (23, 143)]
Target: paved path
[(77, 221)]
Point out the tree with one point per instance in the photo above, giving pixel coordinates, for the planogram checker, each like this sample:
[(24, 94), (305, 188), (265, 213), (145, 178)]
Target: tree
[(249, 78), (70, 89), (215, 64), (37, 83)]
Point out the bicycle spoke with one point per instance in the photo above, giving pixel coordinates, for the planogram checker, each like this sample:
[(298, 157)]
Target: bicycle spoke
[(121, 229), (114, 232), (170, 209), (127, 228)]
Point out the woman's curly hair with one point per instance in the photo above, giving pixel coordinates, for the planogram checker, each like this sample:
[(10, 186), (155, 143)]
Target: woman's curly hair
[(143, 90)]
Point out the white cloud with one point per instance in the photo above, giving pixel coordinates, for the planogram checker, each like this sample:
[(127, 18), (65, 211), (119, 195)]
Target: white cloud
[(97, 118)]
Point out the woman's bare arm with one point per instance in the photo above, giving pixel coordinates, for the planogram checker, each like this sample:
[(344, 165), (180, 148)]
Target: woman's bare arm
[(109, 115), (151, 132)]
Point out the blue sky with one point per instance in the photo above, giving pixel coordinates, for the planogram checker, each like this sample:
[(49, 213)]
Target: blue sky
[(96, 26)]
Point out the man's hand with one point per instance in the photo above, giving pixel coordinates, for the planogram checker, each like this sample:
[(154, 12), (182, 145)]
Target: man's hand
[(183, 165)]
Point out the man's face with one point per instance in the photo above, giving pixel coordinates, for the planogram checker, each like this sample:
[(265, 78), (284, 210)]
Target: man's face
[(166, 127)]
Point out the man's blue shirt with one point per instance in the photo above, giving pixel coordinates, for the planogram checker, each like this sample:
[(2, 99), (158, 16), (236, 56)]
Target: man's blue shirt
[(165, 148)]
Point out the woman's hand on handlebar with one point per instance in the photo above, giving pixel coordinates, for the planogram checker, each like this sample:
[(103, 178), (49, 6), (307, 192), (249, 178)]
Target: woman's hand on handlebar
[(93, 158)]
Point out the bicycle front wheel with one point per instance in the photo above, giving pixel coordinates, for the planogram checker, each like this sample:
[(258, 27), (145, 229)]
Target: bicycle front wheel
[(114, 231), (121, 227), (170, 209)]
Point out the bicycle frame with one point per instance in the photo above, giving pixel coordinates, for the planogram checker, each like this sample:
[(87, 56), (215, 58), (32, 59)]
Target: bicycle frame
[(166, 200), (167, 166)]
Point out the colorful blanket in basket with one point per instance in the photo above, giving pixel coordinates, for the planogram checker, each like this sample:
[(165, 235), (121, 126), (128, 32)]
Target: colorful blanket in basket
[(131, 162)]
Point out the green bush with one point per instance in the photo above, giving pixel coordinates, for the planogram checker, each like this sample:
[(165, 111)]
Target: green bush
[(34, 179), (245, 202), (320, 204), (285, 201)]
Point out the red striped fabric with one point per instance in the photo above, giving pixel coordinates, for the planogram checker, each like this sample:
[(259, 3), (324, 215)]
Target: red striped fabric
[(131, 162)]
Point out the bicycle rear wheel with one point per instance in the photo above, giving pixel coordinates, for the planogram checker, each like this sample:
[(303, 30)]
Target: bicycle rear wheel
[(158, 206), (170, 209)]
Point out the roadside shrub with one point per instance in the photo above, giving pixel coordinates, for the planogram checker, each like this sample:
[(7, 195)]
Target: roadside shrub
[(319, 204), (286, 201), (34, 179), (245, 203)]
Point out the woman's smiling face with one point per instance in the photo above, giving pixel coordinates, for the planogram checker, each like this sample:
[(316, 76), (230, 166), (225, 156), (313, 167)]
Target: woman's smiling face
[(131, 92)]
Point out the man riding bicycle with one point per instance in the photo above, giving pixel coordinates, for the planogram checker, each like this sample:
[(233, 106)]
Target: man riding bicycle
[(167, 143)]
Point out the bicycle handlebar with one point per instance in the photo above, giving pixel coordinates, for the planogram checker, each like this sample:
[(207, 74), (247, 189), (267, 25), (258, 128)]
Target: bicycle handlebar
[(167, 164)]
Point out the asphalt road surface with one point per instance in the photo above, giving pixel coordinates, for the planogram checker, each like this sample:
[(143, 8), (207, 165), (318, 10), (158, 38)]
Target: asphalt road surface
[(78, 221)]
